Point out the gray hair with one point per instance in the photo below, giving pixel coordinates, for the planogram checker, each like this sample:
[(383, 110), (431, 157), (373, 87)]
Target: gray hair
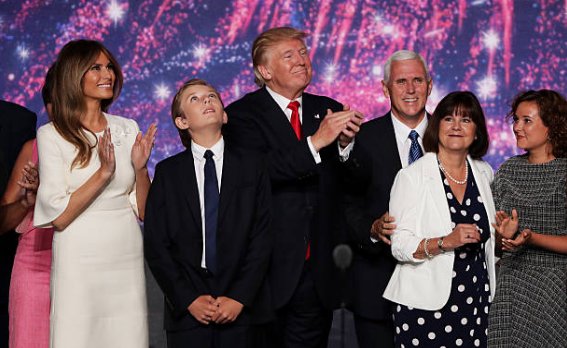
[(403, 55)]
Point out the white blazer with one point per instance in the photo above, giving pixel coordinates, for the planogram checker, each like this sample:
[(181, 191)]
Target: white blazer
[(419, 205)]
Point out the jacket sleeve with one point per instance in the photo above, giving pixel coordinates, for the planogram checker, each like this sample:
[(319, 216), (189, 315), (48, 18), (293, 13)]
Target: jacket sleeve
[(405, 197), (177, 288), (357, 174), (260, 240), (54, 193)]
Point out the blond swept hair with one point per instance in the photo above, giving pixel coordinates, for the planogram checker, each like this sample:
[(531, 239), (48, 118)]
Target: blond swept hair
[(267, 39)]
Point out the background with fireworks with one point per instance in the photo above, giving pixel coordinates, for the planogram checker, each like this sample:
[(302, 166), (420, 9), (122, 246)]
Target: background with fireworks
[(492, 47)]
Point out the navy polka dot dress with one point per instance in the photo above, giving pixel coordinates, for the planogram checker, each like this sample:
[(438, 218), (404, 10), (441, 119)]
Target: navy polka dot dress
[(463, 321)]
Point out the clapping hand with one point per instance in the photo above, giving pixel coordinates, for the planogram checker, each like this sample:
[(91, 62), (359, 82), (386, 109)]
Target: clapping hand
[(29, 184), (142, 148), (351, 129), (344, 123), (506, 226), (513, 244), (106, 154)]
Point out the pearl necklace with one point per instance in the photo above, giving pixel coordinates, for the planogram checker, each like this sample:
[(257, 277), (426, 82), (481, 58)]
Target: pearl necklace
[(458, 182)]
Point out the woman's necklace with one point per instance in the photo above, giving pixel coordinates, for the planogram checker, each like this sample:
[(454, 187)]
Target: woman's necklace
[(458, 182)]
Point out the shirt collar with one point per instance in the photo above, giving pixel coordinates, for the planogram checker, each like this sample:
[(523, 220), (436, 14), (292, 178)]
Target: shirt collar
[(402, 131), (282, 101), (199, 151)]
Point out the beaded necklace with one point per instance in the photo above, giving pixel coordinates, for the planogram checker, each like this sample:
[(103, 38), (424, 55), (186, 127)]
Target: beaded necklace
[(458, 182)]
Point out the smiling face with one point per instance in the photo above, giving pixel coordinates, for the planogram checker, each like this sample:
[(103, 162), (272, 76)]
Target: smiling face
[(531, 134), (408, 89), (201, 109), (98, 81), (287, 68), (456, 133)]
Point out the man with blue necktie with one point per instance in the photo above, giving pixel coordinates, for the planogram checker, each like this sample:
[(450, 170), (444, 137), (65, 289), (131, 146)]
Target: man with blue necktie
[(383, 146)]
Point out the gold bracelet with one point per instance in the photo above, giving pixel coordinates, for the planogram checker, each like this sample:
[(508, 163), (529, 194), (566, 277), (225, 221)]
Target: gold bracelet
[(426, 248)]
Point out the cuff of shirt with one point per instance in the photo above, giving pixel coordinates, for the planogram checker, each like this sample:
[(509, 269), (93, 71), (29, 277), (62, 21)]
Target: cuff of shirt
[(314, 152), (345, 153)]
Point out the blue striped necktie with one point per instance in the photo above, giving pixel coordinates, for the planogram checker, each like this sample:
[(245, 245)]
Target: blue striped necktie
[(415, 150)]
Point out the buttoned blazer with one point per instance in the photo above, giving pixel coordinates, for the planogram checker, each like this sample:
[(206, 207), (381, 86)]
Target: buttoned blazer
[(173, 239), (305, 195), (419, 203)]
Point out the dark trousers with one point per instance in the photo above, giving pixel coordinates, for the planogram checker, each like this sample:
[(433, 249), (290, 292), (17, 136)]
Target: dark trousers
[(374, 333), (8, 244), (303, 322), (211, 336)]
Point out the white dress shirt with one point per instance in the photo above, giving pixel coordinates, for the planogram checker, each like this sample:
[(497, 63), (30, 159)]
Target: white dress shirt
[(199, 161), (403, 142), (402, 137)]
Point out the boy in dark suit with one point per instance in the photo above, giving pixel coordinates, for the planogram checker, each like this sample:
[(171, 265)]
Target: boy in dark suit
[(207, 238)]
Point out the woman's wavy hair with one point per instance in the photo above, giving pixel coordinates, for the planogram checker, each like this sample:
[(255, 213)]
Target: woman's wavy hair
[(552, 108), (67, 98)]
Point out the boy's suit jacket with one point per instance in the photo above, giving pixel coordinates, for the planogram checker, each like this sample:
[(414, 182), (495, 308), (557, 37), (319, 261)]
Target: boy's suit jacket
[(173, 237)]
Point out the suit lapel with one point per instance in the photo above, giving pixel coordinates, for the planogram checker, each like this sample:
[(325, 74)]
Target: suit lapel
[(435, 186), (276, 118), (189, 188), (389, 140), (310, 118)]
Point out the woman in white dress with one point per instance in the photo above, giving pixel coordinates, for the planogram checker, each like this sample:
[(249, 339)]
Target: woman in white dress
[(94, 181)]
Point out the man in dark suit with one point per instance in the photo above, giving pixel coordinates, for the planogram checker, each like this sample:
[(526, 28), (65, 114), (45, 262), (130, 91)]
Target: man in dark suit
[(17, 125), (209, 252), (383, 146), (302, 136)]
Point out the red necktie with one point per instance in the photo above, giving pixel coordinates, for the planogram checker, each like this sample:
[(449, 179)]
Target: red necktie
[(295, 123)]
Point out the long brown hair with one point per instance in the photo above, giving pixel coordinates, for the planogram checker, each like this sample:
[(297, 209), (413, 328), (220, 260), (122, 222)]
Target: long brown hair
[(68, 101)]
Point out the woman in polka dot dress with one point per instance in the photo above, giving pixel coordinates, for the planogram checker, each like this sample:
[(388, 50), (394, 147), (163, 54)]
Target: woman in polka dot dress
[(443, 241)]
